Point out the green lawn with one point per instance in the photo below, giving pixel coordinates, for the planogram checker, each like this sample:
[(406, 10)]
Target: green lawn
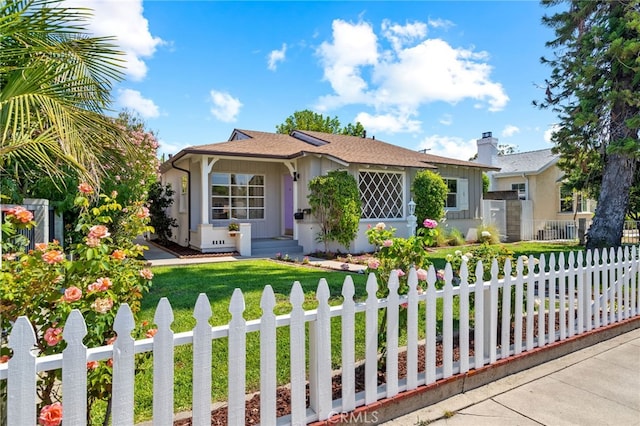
[(182, 284)]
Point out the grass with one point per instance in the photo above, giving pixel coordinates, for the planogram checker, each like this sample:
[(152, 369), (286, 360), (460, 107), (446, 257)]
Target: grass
[(182, 284)]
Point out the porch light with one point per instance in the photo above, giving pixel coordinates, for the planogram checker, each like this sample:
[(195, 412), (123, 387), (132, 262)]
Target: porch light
[(412, 207), (411, 220)]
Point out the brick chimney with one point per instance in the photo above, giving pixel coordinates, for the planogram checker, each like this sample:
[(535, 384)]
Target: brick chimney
[(487, 149)]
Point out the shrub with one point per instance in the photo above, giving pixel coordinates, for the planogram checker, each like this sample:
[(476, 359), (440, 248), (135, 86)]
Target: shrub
[(488, 234), (102, 272), (160, 198), (430, 193), (455, 237)]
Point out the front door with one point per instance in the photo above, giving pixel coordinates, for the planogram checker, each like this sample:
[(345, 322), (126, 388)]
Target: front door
[(288, 204)]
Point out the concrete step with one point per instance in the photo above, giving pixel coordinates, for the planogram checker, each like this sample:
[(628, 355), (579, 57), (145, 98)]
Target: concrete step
[(269, 247)]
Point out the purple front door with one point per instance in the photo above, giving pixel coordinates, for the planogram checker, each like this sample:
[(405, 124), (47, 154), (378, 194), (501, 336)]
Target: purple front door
[(288, 204)]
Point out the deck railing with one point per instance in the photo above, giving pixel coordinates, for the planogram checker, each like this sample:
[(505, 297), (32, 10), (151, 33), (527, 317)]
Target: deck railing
[(583, 291)]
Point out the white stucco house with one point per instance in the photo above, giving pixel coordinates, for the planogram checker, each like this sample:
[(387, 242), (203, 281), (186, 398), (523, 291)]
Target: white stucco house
[(259, 180)]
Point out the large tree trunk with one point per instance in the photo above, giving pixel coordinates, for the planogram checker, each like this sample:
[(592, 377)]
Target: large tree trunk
[(608, 223)]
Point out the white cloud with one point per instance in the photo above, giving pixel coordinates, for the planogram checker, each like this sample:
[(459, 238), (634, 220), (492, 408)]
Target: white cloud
[(353, 46), (440, 23), (388, 123), (134, 100), (225, 107), (449, 146), (400, 35), (414, 73), (510, 130), (550, 131), (167, 148), (276, 56), (125, 21), (446, 119)]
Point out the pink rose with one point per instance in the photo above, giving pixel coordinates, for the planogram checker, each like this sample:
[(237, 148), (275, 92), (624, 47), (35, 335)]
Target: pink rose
[(52, 257), (4, 358), (92, 365), (20, 214), (85, 188), (51, 415), (101, 284), (42, 246), (422, 274), (373, 263), (400, 272), (430, 223), (110, 340), (143, 213), (102, 305), (93, 242), (53, 336), (146, 274), (387, 243), (151, 332), (72, 294), (98, 231)]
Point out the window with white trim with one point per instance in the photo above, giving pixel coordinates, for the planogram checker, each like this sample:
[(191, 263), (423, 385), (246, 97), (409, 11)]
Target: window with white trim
[(521, 188), (381, 194), (566, 200), (457, 194), (237, 196)]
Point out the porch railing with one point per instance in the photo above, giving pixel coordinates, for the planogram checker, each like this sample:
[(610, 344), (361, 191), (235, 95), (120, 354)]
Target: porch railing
[(584, 291)]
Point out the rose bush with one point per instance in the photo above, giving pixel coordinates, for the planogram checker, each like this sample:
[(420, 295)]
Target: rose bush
[(94, 276)]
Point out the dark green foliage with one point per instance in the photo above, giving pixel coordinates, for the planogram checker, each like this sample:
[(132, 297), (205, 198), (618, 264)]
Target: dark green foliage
[(309, 120), (429, 193), (335, 202), (594, 86), (160, 198), (485, 183)]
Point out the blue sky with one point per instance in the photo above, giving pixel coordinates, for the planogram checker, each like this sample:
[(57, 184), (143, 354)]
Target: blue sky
[(420, 74)]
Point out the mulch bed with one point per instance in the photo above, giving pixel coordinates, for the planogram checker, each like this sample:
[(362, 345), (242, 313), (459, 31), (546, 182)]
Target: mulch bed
[(188, 252), (283, 403)]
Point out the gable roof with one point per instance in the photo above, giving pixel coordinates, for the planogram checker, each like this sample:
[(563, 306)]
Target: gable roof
[(531, 162), (341, 148)]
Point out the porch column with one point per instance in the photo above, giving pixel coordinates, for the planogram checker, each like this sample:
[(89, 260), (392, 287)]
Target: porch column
[(206, 167)]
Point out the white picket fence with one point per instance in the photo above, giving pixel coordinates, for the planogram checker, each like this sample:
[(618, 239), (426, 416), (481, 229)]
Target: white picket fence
[(593, 291)]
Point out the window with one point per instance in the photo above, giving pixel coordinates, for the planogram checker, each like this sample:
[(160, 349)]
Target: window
[(237, 196), (566, 200), (381, 194), (521, 188), (457, 194), (584, 204)]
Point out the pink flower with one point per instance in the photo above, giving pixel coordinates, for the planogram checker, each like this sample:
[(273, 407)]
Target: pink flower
[(422, 274), (53, 336), (9, 256), (440, 274), (111, 340), (373, 263), (42, 246), (98, 231), (101, 284), (20, 214), (92, 365), (52, 257), (146, 273), (72, 294), (380, 226), (430, 223), (118, 255), (400, 272), (387, 243), (93, 242), (85, 188), (51, 415), (102, 305), (151, 332), (143, 213), (4, 358)]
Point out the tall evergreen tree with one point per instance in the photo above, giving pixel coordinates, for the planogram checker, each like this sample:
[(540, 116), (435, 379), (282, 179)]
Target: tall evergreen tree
[(594, 86)]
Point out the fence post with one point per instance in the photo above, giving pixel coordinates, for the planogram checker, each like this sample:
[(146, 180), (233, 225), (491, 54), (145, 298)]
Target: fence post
[(21, 386)]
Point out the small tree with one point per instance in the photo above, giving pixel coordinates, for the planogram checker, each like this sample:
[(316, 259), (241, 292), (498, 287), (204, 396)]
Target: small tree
[(430, 193), (160, 198), (335, 203)]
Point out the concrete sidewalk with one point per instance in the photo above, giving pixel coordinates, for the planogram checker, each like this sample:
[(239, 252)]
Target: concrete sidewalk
[(598, 385)]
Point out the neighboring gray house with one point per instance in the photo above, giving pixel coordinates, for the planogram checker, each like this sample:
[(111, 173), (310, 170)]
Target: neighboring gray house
[(259, 180)]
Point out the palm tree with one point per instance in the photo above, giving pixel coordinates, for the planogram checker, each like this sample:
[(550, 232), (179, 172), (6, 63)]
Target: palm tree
[(55, 87)]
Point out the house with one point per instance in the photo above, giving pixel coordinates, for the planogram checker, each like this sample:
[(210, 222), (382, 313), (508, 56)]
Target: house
[(259, 180), (548, 210)]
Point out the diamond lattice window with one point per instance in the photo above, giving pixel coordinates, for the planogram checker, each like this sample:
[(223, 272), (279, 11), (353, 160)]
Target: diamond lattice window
[(382, 195)]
